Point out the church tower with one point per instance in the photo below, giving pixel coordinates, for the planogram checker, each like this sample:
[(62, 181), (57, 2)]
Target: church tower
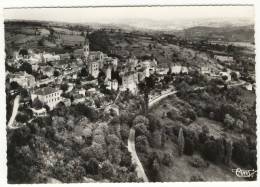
[(86, 48)]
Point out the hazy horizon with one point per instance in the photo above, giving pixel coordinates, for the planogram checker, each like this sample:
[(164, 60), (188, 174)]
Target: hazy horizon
[(170, 17)]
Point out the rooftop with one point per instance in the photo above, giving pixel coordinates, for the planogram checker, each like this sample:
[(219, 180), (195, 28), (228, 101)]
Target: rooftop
[(45, 91)]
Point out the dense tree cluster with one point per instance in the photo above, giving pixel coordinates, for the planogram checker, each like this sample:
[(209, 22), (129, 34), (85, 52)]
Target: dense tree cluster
[(70, 147)]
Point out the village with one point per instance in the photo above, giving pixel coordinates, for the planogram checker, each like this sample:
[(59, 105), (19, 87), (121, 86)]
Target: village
[(51, 79), (112, 104)]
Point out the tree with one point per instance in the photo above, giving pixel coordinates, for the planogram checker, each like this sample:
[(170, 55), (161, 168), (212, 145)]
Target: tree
[(189, 146), (145, 87), (14, 85), (26, 67), (41, 42), (92, 166), (167, 159), (156, 139), (141, 129), (229, 121), (23, 52), (140, 119), (126, 159), (56, 73), (183, 88), (241, 153), (209, 151), (234, 75), (22, 118), (37, 104), (205, 129), (142, 144), (181, 142), (228, 152), (155, 170), (107, 169), (83, 72), (239, 124), (64, 87), (24, 93)]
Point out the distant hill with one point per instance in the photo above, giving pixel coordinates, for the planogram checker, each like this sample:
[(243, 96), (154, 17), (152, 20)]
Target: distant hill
[(229, 33)]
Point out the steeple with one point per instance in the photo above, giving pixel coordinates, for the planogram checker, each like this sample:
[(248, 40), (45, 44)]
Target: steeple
[(86, 48)]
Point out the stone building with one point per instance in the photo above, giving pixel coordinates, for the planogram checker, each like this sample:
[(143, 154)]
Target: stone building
[(47, 95)]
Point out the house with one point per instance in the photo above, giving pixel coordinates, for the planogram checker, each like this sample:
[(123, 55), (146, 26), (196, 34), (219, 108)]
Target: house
[(82, 52), (66, 101), (47, 70), (96, 55), (39, 112), (132, 62), (93, 68), (150, 66), (130, 81), (205, 70), (71, 72), (111, 62), (112, 108), (78, 98), (77, 91), (47, 57), (91, 91), (48, 96), (59, 64), (162, 71), (248, 86), (23, 79), (224, 58), (177, 69), (89, 82), (35, 58), (45, 81), (112, 84), (35, 67), (64, 56)]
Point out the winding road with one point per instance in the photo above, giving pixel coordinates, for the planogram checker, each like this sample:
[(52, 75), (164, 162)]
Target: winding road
[(131, 141), (14, 112)]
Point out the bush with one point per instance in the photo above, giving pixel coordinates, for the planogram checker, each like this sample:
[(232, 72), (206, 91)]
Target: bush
[(196, 178), (141, 129), (107, 169), (197, 162), (22, 118), (140, 119), (95, 151), (156, 138), (167, 159), (141, 144), (241, 153), (209, 151), (229, 121), (91, 166)]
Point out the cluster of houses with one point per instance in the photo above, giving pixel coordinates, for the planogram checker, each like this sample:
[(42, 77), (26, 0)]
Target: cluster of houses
[(58, 69)]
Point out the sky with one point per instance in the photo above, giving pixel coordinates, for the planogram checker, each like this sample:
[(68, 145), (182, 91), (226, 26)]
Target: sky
[(102, 14)]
